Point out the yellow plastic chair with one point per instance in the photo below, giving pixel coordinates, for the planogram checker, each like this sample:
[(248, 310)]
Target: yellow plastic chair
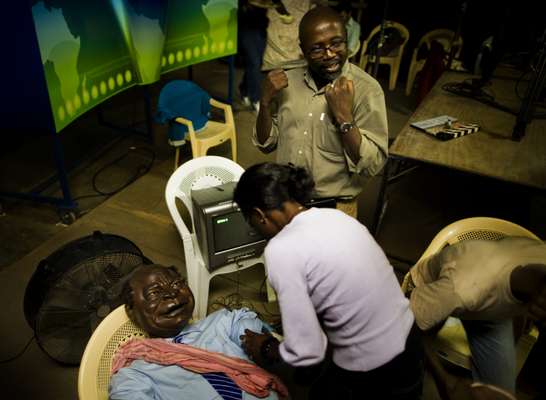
[(184, 102), (394, 57), (214, 133), (445, 38), (451, 341), (94, 374)]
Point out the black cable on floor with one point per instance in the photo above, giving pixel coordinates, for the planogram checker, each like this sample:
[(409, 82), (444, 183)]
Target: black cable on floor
[(10, 359), (142, 170)]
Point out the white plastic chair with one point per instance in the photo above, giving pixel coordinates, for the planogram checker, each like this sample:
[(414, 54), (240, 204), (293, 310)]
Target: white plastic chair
[(200, 173), (451, 341), (94, 373)]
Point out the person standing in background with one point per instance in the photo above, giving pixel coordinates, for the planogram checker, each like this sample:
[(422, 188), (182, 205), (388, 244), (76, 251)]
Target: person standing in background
[(353, 28), (252, 25), (282, 49)]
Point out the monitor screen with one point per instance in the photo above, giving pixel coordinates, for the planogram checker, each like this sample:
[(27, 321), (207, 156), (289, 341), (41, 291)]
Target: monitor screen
[(231, 230)]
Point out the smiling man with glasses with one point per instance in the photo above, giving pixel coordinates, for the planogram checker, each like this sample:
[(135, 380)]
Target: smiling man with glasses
[(328, 117)]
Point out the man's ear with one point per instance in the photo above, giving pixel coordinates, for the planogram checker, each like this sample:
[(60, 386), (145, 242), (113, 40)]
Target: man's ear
[(260, 214)]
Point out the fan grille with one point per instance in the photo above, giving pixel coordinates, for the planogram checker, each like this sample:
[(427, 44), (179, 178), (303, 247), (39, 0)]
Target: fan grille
[(76, 303)]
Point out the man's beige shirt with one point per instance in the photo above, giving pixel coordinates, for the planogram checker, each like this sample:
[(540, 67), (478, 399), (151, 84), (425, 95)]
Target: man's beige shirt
[(471, 280), (304, 133)]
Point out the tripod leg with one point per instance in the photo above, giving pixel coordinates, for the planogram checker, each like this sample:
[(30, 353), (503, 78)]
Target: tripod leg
[(526, 111)]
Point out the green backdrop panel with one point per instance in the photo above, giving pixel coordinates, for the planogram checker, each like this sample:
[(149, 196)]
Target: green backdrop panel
[(93, 49)]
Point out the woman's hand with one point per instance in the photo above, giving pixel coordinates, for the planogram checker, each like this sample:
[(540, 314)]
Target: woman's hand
[(252, 343)]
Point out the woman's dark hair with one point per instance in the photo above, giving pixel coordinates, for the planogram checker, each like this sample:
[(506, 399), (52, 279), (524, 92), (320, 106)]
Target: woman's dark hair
[(268, 185)]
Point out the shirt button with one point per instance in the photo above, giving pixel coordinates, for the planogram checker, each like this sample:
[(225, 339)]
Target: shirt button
[(300, 152), (310, 114), (305, 133)]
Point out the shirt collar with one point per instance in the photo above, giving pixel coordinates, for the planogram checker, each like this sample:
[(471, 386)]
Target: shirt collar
[(310, 82)]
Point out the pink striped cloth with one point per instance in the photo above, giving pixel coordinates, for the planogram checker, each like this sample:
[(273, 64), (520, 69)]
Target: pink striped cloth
[(248, 376)]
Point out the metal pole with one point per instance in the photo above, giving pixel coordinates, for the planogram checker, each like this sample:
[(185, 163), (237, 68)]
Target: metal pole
[(525, 114), (148, 111), (67, 201), (381, 39), (452, 48)]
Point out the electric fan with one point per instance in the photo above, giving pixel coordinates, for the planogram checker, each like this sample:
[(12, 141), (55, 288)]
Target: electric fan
[(74, 288)]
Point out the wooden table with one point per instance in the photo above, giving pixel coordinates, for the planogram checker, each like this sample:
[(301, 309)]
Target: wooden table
[(490, 152)]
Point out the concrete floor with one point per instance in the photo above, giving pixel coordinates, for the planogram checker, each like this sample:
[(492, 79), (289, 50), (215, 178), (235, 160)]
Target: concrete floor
[(419, 205)]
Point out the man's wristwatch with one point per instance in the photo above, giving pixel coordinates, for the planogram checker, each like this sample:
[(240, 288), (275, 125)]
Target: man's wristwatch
[(345, 127)]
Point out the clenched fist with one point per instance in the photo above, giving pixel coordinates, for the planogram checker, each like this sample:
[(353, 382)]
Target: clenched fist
[(274, 82), (339, 96)]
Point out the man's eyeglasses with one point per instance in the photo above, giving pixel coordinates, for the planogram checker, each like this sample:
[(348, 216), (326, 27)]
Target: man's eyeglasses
[(320, 51)]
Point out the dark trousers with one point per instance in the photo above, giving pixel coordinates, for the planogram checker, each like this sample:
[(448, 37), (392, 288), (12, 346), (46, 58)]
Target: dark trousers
[(252, 46), (399, 379)]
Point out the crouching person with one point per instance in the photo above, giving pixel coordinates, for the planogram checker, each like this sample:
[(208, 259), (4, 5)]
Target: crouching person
[(486, 284)]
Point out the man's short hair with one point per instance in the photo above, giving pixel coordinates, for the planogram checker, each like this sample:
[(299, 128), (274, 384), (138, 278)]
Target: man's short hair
[(319, 13)]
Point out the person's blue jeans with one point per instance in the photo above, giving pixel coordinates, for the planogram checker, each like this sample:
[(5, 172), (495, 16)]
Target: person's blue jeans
[(493, 352), (252, 43)]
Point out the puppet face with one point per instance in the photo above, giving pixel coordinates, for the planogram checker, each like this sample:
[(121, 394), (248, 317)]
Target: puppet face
[(162, 301)]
